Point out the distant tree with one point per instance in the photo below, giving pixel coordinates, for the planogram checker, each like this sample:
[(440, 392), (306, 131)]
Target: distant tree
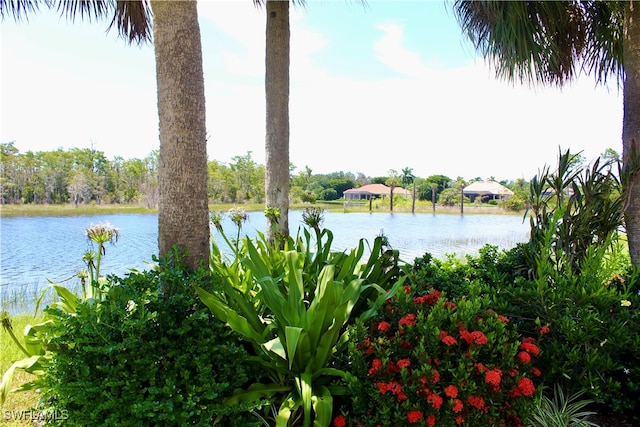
[(408, 179), (392, 182)]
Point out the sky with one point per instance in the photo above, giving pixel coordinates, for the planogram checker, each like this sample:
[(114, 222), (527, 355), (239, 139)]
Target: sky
[(375, 87)]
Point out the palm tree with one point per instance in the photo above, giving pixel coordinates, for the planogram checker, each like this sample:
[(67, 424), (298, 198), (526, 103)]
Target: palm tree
[(551, 42), (393, 181), (409, 178), (183, 211), (183, 214), (277, 114)]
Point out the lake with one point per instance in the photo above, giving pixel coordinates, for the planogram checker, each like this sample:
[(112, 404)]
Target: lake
[(34, 249)]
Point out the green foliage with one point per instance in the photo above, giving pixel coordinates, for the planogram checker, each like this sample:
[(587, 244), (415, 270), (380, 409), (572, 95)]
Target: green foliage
[(590, 316), (149, 353), (514, 203), (572, 209), (561, 411), (424, 360), (292, 306)]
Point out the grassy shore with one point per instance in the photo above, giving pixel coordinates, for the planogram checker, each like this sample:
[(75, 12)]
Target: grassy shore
[(20, 404), (401, 206)]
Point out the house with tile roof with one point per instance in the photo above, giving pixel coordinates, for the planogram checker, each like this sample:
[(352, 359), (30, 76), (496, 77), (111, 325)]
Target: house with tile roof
[(374, 191), (486, 190)]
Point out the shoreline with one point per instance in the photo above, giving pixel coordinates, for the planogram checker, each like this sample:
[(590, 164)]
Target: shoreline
[(8, 211)]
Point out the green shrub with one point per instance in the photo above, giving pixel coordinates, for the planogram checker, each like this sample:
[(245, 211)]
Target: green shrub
[(427, 361), (150, 353)]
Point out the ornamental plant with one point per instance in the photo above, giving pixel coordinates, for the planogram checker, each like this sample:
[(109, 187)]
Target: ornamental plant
[(428, 361), (292, 306)]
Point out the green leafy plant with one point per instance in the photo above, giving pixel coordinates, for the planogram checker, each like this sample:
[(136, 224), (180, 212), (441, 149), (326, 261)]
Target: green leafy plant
[(292, 306), (37, 354), (149, 353), (573, 208), (562, 411), (428, 361)]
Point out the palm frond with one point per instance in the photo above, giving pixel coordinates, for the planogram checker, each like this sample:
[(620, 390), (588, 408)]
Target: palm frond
[(545, 41), (19, 9), (132, 18)]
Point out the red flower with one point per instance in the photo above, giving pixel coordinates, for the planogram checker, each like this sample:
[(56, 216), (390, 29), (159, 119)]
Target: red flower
[(384, 326), (457, 405), (384, 387), (414, 416), (529, 347), (544, 330), (409, 320), (524, 357), (435, 377), (476, 401), (431, 420), (459, 419), (376, 364), (449, 305), (404, 363), (503, 319), (493, 377), (447, 339), (477, 337), (339, 421), (525, 385), (451, 391), (480, 367), (536, 372), (435, 400)]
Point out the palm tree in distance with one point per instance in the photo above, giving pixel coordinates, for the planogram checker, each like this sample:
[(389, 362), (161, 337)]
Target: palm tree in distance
[(392, 182), (183, 213), (409, 178), (552, 43)]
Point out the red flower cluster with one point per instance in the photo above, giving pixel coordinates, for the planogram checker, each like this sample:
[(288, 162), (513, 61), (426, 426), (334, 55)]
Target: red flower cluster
[(529, 346), (407, 363), (475, 337), (430, 298), (414, 416), (339, 421), (407, 320), (525, 387), (447, 339), (493, 377)]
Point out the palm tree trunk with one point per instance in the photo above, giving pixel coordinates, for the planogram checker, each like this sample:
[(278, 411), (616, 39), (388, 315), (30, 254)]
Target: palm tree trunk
[(631, 127), (277, 120), (391, 198), (183, 213), (413, 198)]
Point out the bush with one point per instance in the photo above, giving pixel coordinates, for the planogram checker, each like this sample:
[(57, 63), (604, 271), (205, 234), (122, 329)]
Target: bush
[(430, 361), (592, 314), (150, 353)]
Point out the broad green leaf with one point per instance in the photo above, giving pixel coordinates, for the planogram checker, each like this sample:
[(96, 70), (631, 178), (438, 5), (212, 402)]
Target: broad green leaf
[(306, 390), (322, 407), (227, 315), (7, 377), (275, 346), (292, 334), (286, 409), (69, 302), (255, 392)]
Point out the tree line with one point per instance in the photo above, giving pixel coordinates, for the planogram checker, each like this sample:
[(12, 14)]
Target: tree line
[(86, 175)]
